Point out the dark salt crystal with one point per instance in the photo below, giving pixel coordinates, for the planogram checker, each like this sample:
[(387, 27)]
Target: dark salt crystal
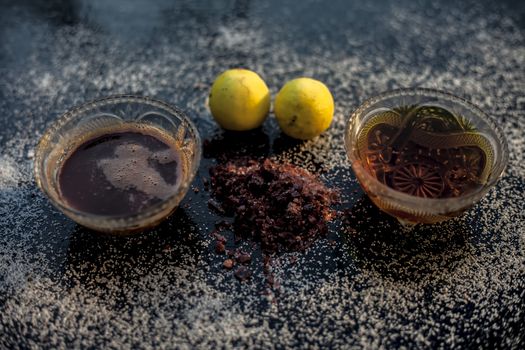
[(284, 207), (244, 258), (243, 273), (228, 264), (220, 248)]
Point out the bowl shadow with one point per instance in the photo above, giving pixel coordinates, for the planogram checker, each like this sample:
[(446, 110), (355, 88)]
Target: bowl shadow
[(379, 243), (105, 264)]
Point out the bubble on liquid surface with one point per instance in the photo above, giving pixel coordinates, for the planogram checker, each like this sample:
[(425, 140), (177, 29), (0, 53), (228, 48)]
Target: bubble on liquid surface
[(130, 168)]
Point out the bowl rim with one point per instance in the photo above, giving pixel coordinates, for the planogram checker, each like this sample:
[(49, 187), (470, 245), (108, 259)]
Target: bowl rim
[(115, 222), (433, 205)]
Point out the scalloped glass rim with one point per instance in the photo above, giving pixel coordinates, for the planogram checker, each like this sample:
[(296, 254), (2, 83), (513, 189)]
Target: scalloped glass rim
[(430, 205), (113, 223)]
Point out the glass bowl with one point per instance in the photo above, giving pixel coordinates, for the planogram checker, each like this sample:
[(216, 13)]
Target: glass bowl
[(422, 155), (117, 113)]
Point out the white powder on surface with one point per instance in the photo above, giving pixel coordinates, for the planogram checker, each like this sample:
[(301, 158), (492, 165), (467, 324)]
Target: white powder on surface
[(459, 284)]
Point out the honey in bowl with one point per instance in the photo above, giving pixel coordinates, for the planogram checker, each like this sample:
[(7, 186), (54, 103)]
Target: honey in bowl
[(425, 151), (120, 173), (424, 155)]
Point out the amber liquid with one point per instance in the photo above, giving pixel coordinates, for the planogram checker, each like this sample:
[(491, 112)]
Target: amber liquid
[(120, 173), (425, 152)]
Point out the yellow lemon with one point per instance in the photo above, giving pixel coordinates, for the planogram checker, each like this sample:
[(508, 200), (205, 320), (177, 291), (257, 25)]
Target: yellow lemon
[(304, 108), (239, 100)]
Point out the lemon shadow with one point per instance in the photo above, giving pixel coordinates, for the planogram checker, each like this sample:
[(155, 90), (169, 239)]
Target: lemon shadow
[(226, 145), (285, 143)]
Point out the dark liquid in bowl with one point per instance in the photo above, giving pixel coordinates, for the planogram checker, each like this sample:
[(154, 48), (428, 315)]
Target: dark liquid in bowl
[(120, 174), (425, 151)]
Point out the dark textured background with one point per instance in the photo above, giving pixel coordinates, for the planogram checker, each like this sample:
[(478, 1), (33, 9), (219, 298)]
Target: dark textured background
[(369, 284)]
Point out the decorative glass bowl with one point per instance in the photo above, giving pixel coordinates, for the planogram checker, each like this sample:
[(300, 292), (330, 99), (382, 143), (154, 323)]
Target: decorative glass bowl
[(114, 113), (422, 155)]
